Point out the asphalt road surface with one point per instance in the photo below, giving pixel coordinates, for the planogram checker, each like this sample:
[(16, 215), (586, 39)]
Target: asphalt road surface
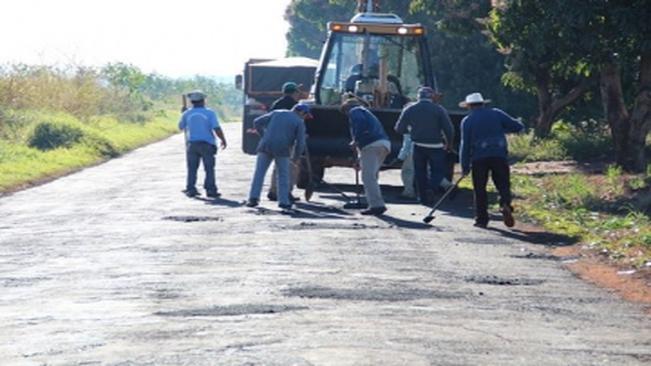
[(114, 266)]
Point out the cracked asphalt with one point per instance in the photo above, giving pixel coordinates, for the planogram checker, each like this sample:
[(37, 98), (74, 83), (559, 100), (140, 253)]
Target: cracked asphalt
[(114, 266)]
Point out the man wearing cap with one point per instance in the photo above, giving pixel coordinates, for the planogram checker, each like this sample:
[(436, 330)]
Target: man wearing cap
[(282, 131), (484, 149), (201, 125), (373, 146), (431, 132), (290, 98)]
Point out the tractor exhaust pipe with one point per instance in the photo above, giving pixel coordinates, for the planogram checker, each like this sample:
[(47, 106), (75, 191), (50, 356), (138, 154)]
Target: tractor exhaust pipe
[(368, 6)]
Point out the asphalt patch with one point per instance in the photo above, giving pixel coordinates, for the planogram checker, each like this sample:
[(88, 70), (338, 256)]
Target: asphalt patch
[(502, 281), (364, 294), (192, 218), (231, 310), (545, 256)]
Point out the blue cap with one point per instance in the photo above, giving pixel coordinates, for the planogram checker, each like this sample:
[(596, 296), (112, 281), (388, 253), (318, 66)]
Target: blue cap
[(304, 108), (425, 92)]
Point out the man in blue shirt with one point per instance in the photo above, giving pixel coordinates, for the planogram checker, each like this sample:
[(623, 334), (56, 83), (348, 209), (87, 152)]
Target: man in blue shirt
[(373, 145), (282, 131), (431, 131), (484, 149), (200, 125)]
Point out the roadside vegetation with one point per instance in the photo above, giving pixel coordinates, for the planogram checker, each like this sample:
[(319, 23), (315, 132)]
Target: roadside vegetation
[(57, 120)]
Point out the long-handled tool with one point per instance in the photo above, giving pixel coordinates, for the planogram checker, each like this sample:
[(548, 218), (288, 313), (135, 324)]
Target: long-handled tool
[(359, 204), (430, 216)]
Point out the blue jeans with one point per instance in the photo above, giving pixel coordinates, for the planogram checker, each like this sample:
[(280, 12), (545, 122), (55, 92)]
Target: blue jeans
[(196, 152), (436, 161), (261, 166)]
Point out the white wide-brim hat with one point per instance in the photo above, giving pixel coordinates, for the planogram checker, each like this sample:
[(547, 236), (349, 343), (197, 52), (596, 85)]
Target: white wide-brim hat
[(474, 98)]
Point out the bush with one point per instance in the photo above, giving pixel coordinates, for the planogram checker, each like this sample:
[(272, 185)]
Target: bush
[(49, 136)]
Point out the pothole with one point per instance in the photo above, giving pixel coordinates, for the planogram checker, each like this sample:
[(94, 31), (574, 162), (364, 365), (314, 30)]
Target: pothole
[(21, 282), (334, 226), (502, 281), (483, 241), (231, 310), (192, 218), (391, 294)]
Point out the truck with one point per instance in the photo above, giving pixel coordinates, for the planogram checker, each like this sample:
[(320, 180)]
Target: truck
[(378, 57), (261, 84)]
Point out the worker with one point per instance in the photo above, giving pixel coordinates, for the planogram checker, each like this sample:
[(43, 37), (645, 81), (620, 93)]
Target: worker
[(281, 132), (200, 125), (484, 150), (432, 134), (291, 95), (406, 161), (372, 146)]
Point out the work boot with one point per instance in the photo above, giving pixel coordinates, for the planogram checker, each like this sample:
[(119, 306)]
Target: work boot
[(375, 211), (507, 215), (271, 196), (481, 225), (191, 192), (252, 202), (214, 194), (427, 199)]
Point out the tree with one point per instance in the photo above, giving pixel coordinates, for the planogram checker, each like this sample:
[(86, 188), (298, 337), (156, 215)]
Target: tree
[(622, 42), (462, 57), (536, 36)]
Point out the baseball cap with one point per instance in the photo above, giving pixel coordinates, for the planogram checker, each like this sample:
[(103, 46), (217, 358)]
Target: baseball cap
[(302, 107), (290, 87), (196, 96), (425, 92)]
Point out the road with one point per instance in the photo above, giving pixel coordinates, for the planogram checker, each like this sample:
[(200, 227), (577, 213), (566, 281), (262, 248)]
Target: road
[(114, 266)]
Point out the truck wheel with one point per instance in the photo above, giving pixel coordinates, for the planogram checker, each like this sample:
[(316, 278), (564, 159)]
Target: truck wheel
[(303, 176)]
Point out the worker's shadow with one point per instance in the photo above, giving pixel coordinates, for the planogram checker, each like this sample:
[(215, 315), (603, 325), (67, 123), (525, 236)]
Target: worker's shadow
[(537, 237), (219, 202), (406, 224)]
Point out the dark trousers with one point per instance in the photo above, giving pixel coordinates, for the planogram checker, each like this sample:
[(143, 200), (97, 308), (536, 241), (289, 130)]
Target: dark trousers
[(199, 151), (429, 179), (500, 173)]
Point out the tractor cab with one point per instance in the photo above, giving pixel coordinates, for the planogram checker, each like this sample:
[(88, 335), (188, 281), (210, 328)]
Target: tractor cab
[(375, 56)]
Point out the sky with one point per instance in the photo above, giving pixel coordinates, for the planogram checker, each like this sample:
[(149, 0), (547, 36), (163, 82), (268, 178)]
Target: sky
[(173, 38)]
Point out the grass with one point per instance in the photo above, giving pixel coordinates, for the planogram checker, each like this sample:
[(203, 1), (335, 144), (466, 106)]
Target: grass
[(101, 138), (607, 212), (602, 211), (583, 141)]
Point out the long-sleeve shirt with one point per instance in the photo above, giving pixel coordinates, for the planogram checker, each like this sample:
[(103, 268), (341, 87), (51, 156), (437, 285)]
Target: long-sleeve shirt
[(483, 135), (427, 123), (199, 123), (365, 128), (281, 130), (407, 147)]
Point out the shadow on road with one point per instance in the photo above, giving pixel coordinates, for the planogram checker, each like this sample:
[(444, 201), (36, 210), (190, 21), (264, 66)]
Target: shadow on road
[(219, 202), (537, 237), (406, 224)]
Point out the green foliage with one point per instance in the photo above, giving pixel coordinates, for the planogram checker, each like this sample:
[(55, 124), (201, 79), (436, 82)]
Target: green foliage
[(462, 57), (48, 136), (582, 141), (94, 140)]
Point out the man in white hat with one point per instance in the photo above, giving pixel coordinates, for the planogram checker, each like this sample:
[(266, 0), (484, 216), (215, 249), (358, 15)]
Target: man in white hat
[(484, 148), (201, 125)]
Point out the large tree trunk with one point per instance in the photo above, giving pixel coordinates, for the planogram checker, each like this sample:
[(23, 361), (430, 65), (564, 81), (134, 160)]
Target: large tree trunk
[(629, 130), (549, 107), (640, 118)]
